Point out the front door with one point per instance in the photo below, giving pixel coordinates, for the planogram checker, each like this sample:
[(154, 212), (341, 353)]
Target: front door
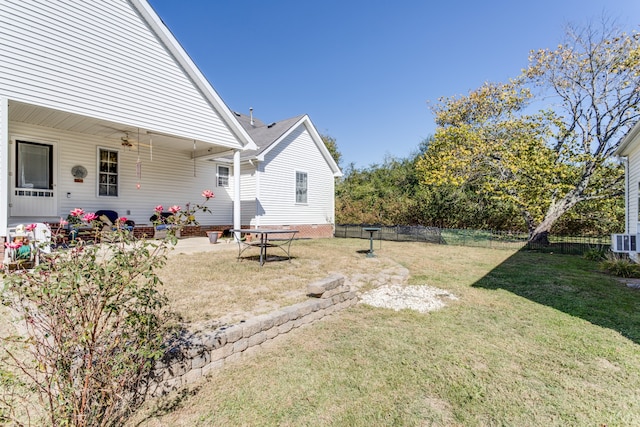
[(32, 180)]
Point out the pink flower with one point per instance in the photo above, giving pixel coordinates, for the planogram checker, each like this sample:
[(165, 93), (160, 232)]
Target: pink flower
[(13, 245), (89, 217), (208, 194), (31, 227), (175, 209), (159, 208), (121, 220), (63, 222), (77, 212)]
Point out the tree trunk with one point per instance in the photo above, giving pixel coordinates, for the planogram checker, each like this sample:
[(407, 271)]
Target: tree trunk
[(540, 233)]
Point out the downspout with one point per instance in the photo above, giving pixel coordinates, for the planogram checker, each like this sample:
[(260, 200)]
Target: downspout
[(4, 164), (236, 192)]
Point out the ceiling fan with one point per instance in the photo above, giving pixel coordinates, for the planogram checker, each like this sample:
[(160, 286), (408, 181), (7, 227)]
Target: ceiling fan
[(128, 142)]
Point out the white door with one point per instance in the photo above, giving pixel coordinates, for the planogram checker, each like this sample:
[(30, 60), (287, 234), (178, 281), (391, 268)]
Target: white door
[(32, 179)]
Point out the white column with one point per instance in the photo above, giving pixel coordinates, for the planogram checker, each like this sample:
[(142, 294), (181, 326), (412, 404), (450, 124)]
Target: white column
[(4, 164), (236, 192)]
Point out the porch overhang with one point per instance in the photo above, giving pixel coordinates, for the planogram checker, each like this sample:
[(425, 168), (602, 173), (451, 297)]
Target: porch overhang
[(106, 129), (14, 114)]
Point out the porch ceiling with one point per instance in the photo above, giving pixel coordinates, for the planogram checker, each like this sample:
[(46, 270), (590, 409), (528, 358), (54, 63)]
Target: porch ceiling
[(56, 119)]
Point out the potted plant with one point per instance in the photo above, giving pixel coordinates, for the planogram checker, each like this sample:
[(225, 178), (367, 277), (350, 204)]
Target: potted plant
[(214, 236)]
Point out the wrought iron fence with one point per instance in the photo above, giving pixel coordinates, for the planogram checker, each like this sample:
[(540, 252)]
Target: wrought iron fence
[(477, 238)]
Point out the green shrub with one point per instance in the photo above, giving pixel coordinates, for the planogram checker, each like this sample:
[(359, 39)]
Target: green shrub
[(596, 254), (94, 323), (620, 265)]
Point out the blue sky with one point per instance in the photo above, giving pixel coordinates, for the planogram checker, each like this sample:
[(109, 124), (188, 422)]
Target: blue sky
[(365, 70)]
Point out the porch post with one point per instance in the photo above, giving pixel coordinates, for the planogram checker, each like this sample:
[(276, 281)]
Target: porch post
[(236, 191), (4, 164)]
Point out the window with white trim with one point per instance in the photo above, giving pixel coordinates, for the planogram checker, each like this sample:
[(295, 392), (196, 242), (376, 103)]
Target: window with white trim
[(223, 176), (301, 187), (34, 165), (107, 172)]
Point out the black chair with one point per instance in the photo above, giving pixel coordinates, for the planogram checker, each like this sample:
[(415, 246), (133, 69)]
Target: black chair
[(161, 226), (113, 216)]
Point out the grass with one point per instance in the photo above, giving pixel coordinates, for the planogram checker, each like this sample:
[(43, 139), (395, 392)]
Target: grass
[(535, 339), (213, 286)]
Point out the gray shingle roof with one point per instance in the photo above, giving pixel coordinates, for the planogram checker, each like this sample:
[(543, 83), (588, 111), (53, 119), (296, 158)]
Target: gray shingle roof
[(264, 134)]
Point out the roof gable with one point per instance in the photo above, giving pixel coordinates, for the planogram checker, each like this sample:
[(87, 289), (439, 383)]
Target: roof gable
[(268, 136), (112, 60)]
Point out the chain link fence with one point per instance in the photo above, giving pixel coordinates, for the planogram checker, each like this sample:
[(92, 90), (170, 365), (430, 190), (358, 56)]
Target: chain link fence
[(577, 245)]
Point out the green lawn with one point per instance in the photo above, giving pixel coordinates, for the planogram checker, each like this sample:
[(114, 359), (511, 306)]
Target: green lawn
[(534, 339)]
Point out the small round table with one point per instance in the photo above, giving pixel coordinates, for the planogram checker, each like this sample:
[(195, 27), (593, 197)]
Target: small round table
[(371, 230)]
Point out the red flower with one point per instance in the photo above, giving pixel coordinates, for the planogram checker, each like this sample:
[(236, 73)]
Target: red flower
[(89, 217), (13, 245)]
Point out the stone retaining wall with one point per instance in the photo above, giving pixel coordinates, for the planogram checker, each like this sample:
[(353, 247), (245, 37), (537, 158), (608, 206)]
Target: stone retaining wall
[(198, 355)]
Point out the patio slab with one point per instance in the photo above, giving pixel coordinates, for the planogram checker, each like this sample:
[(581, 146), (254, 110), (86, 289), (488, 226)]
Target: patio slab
[(201, 244)]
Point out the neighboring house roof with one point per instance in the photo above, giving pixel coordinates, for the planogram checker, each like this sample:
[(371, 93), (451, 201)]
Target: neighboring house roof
[(629, 142), (268, 136)]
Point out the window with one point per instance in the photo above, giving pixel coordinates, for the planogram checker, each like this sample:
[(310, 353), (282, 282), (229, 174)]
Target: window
[(223, 176), (107, 173), (34, 165), (301, 187)]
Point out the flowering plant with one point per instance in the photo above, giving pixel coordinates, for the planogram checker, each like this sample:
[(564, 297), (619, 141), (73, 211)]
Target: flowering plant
[(96, 323), (179, 216)]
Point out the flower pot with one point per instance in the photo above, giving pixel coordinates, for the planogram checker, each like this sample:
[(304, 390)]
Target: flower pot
[(213, 236)]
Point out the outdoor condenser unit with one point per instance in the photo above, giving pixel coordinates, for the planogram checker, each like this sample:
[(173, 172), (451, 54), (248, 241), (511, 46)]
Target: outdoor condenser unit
[(624, 242)]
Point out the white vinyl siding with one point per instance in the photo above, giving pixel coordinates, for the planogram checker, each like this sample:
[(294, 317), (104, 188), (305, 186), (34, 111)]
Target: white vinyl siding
[(115, 69), (633, 198), (249, 207), (167, 179), (277, 198)]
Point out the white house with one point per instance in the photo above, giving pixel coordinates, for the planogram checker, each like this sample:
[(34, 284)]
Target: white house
[(288, 181), (629, 150), (101, 108)]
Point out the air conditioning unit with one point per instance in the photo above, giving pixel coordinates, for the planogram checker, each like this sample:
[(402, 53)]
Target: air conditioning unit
[(624, 243)]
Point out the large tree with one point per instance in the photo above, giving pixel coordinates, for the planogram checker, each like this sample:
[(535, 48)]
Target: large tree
[(549, 160), (332, 145)]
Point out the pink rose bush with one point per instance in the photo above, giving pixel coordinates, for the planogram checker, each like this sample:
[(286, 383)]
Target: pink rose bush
[(182, 216), (112, 290)]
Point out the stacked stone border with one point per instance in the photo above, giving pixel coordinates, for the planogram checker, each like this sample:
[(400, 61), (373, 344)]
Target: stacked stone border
[(198, 355)]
